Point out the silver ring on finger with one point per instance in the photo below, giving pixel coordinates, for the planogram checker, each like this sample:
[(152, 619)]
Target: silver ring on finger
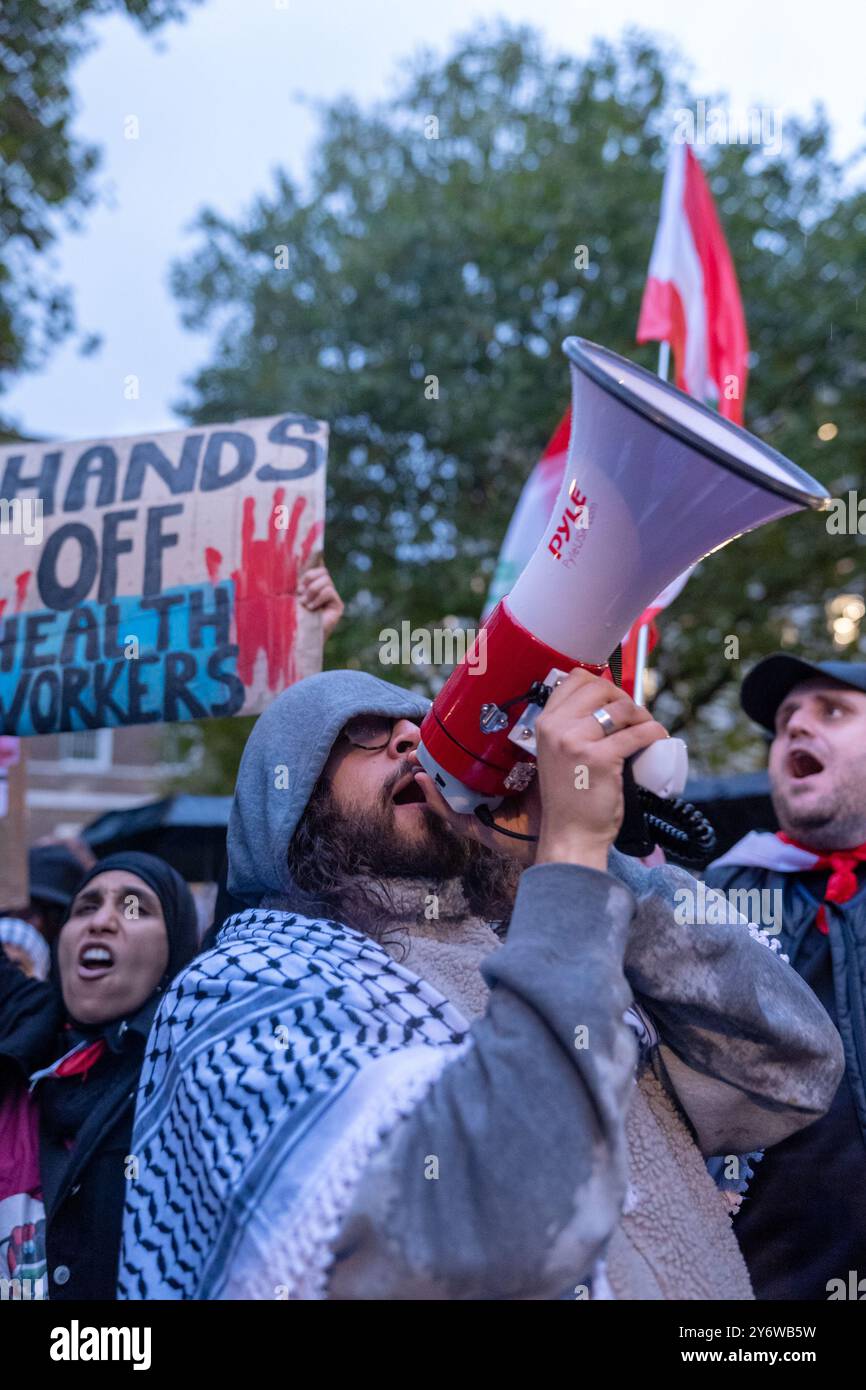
[(604, 719)]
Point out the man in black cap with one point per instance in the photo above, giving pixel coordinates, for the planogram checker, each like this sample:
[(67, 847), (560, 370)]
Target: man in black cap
[(802, 1228)]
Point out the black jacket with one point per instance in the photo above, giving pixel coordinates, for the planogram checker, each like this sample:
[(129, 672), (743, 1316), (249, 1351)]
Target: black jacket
[(847, 939), (84, 1190), (802, 1226)]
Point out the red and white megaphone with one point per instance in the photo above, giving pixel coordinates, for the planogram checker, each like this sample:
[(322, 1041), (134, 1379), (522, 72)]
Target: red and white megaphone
[(654, 482)]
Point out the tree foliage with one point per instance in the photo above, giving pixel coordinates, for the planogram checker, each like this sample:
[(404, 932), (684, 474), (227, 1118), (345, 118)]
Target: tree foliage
[(431, 279), (45, 170)]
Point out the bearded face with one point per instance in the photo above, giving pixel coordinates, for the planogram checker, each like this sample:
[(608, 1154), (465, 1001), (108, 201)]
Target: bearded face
[(378, 840), (367, 819), (397, 834)]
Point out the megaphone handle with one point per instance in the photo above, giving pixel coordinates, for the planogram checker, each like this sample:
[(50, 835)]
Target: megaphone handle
[(633, 837), (663, 767)]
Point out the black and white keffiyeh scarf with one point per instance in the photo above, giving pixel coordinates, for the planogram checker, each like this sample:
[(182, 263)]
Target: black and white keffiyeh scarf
[(277, 1063)]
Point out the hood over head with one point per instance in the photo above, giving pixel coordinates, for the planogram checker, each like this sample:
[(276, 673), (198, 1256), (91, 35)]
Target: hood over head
[(282, 762)]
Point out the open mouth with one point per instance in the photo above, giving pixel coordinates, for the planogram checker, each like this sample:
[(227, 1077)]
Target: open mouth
[(408, 793), (94, 961), (802, 764)]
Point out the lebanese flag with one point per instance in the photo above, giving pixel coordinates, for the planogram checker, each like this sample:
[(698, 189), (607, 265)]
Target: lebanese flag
[(692, 301), (691, 298)]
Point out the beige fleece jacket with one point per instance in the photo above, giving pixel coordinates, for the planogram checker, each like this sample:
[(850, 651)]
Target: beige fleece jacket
[(674, 1239)]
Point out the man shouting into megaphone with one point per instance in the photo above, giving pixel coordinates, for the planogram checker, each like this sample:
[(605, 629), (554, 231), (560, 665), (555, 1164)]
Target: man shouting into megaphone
[(424, 1065)]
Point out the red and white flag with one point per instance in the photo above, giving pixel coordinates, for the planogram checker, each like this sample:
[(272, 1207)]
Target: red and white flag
[(692, 299)]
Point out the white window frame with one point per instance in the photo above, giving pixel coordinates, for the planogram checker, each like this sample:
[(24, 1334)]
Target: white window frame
[(100, 763)]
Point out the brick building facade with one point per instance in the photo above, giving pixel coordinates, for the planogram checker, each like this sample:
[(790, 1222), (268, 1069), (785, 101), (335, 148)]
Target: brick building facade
[(74, 778)]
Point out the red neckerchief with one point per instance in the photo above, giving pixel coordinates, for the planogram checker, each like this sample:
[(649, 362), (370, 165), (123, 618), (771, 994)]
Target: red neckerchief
[(77, 1062), (842, 883)]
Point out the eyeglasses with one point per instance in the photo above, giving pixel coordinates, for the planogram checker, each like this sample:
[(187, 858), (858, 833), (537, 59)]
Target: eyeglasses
[(370, 731)]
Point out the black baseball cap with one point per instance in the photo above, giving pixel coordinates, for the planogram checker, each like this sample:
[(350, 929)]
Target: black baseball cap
[(767, 684)]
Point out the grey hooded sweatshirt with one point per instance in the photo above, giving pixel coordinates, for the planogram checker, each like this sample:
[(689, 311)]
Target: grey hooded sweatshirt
[(569, 1157)]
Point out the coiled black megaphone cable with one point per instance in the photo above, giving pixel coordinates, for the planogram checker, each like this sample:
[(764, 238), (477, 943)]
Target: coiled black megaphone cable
[(678, 826), (675, 825)]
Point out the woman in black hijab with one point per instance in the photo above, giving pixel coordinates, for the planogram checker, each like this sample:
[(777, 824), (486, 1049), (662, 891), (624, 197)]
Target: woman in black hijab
[(130, 929)]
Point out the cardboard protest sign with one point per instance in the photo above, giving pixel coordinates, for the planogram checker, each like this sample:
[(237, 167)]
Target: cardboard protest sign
[(153, 579)]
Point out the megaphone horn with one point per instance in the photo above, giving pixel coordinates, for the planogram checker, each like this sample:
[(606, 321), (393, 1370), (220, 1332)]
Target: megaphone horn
[(654, 482)]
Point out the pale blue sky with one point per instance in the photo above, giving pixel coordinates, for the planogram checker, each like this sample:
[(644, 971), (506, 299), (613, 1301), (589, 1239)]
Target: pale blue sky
[(216, 101)]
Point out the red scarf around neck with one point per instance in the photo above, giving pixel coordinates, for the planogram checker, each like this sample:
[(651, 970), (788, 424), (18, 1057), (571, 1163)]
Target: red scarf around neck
[(843, 883)]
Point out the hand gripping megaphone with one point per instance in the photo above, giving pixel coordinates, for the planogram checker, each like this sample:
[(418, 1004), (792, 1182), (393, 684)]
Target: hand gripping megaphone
[(654, 482)]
